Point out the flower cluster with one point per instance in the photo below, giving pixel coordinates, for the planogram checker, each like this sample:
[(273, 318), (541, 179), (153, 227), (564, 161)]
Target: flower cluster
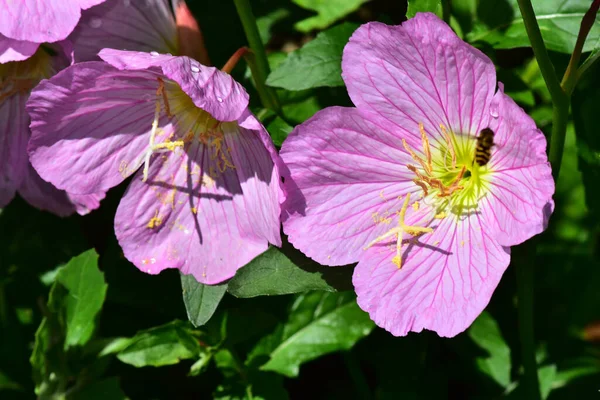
[(405, 184)]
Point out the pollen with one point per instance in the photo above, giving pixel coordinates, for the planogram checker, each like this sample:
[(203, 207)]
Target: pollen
[(194, 210), (399, 231), (155, 221), (440, 215)]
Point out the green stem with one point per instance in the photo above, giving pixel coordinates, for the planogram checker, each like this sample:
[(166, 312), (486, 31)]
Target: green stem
[(525, 281), (360, 383), (525, 271), (572, 74), (560, 119), (540, 52), (588, 63), (260, 69)]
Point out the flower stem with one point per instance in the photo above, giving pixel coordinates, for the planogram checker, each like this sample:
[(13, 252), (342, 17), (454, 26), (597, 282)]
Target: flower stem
[(572, 74), (540, 52), (259, 64), (560, 98), (560, 119)]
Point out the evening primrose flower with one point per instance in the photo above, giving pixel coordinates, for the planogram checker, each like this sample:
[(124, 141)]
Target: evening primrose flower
[(205, 196), (137, 25), (25, 24), (16, 174), (394, 184)]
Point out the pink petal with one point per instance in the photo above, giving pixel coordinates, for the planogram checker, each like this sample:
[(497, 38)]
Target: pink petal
[(41, 21), (44, 196), (347, 174), (419, 72), (91, 125), (226, 221), (14, 133), (446, 280), (210, 89), (16, 50), (519, 203), (120, 24)]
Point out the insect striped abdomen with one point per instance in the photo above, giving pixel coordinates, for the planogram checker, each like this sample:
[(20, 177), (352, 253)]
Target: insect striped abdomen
[(483, 149)]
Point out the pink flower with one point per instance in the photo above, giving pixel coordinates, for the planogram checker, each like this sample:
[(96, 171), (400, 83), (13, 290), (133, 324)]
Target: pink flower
[(16, 174), (205, 194), (126, 25), (393, 183), (25, 24)]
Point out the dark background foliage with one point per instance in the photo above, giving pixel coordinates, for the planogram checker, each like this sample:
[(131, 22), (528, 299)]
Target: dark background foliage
[(107, 331)]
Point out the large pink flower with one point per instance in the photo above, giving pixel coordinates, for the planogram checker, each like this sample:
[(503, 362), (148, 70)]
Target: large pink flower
[(393, 183), (205, 193), (25, 24)]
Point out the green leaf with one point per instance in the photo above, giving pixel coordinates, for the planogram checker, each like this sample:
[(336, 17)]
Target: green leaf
[(275, 272), (279, 130), (502, 27), (486, 334), (201, 301), (266, 22), (86, 292), (316, 64), (576, 369), (415, 6), (163, 345), (328, 11), (318, 323), (546, 376)]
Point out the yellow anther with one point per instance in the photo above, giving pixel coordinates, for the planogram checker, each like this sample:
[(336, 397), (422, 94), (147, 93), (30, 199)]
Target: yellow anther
[(399, 231), (416, 206), (441, 215), (154, 221), (169, 145)]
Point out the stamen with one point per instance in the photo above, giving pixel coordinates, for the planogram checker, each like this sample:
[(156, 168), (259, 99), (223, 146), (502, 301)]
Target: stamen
[(161, 89), (450, 145), (426, 148), (152, 136), (416, 157), (398, 231), (166, 145)]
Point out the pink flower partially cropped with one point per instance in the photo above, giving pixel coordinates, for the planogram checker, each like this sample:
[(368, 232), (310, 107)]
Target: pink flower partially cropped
[(16, 174), (25, 24), (134, 25), (205, 193), (394, 183)]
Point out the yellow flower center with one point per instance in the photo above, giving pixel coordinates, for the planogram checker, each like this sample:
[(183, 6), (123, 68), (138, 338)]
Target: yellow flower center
[(193, 124), (451, 181)]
